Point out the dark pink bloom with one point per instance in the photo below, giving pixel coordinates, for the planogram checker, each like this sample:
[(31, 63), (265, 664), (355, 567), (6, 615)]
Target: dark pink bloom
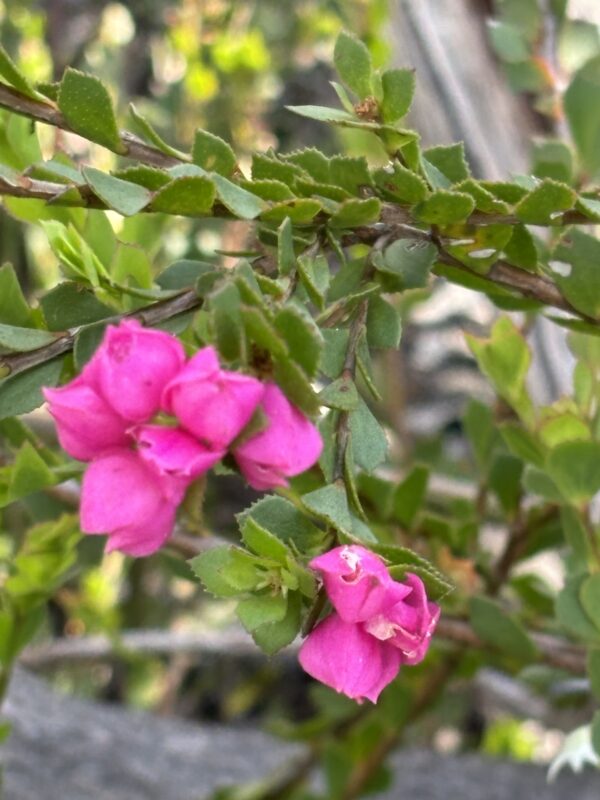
[(125, 498), (212, 403), (133, 365), (172, 451), (342, 655), (352, 649), (289, 445)]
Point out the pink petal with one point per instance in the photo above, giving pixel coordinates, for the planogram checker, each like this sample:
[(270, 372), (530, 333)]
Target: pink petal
[(288, 446), (172, 451), (341, 655), (141, 540), (133, 365), (412, 622), (211, 403), (357, 582), (118, 491), (86, 425)]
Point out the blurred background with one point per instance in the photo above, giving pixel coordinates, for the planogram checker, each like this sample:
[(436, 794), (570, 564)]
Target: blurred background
[(491, 74)]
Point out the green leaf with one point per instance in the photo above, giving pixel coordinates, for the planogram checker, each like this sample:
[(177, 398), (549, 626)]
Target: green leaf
[(504, 358), (23, 339), (449, 160), (241, 203), (263, 542), (445, 208), (399, 183), (330, 504), (261, 610), (226, 571), (300, 210), (508, 42), (22, 393), (545, 203), (188, 196), (274, 191), (295, 383), (285, 521), (183, 274), (340, 394), (334, 352), (593, 671), (409, 262), (272, 636), (577, 538), (88, 110), (286, 257), (260, 331), (589, 596), (87, 342), (581, 286), (480, 428), (122, 196), (322, 114), (505, 481), (552, 159), (353, 213), (520, 249), (13, 306), (583, 114), (302, 336), (29, 474), (384, 324), (575, 469), (314, 275), (369, 441), (570, 613), (227, 321), (437, 585), (70, 305), (213, 153), (500, 630), (312, 161), (13, 75), (410, 494), (398, 87), (145, 129), (351, 173), (484, 200), (523, 444), (353, 64)]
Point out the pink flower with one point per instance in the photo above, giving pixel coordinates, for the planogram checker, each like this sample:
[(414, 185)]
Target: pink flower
[(172, 451), (124, 497), (378, 624), (211, 403), (289, 445)]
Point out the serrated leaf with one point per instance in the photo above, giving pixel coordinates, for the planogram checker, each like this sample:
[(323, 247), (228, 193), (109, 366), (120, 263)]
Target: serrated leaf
[(502, 631), (284, 520), (314, 275), (88, 110), (272, 636), (261, 610), (581, 286), (353, 213), (260, 331), (262, 542), (296, 385), (22, 340), (226, 571), (286, 257), (122, 196), (399, 183), (29, 474), (300, 210), (330, 505), (398, 87), (13, 75), (334, 352), (409, 262), (270, 190), (312, 161), (322, 114), (241, 203), (183, 274), (188, 196), (340, 394), (225, 308), (520, 250), (22, 393), (270, 167), (353, 64), (145, 129), (384, 324), (449, 160), (368, 437), (484, 199), (545, 203), (302, 337), (436, 584), (213, 153), (445, 208), (13, 305), (71, 304), (352, 174)]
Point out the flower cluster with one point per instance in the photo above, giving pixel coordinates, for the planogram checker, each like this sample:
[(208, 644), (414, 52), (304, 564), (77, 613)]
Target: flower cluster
[(377, 626), (113, 415)]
